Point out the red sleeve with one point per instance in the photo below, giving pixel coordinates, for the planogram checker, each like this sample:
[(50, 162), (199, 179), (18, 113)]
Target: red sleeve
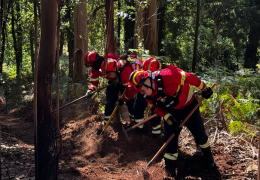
[(124, 77), (94, 79), (178, 76)]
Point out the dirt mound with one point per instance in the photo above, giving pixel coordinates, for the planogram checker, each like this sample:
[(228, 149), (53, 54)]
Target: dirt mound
[(87, 155)]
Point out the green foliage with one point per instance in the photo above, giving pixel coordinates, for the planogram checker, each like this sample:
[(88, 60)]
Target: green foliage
[(240, 93)]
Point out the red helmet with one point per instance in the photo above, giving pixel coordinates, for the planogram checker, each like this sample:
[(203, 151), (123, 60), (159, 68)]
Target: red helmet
[(90, 57), (137, 79), (151, 64), (110, 65)]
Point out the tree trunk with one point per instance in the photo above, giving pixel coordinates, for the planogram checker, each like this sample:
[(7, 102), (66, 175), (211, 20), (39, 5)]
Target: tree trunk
[(151, 30), (195, 48), (1, 26), (161, 29), (17, 39), (118, 29), (3, 36), (129, 23), (61, 42), (81, 43), (70, 37), (31, 48), (139, 24), (46, 151), (110, 26), (251, 58)]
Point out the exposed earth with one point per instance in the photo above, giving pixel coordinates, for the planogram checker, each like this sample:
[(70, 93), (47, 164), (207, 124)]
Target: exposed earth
[(87, 156)]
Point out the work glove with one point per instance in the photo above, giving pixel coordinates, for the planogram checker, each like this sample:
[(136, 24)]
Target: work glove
[(89, 92), (207, 92), (175, 125)]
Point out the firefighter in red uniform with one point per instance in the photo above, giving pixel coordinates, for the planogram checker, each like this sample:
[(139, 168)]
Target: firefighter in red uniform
[(94, 60), (141, 104), (119, 71), (171, 93)]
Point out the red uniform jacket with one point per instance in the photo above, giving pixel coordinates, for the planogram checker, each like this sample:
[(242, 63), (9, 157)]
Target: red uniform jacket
[(95, 74), (124, 76), (174, 79)]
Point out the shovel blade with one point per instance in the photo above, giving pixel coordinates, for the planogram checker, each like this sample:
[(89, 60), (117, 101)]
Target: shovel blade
[(123, 129)]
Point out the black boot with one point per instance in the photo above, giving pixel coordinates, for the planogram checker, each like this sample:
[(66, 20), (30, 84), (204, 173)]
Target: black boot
[(208, 157), (170, 167)]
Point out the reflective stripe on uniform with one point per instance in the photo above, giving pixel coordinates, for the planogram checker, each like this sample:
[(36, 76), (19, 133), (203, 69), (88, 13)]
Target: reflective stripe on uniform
[(126, 97), (183, 77), (201, 85), (179, 87), (166, 116), (122, 62), (105, 121), (92, 79), (203, 146), (107, 117), (95, 87), (139, 120), (171, 156), (190, 94), (157, 127), (156, 132)]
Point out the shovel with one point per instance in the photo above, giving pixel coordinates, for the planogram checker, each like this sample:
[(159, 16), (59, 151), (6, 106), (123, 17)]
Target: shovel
[(172, 136), (112, 115), (86, 96)]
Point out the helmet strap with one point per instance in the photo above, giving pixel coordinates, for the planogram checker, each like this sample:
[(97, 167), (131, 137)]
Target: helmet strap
[(151, 81)]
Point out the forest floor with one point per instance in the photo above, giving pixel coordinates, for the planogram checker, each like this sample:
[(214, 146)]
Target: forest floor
[(87, 156)]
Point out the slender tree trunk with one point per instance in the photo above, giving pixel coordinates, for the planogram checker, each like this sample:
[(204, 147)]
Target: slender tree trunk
[(110, 25), (251, 48), (31, 48), (139, 25), (19, 41), (81, 45), (61, 42), (35, 75), (70, 37), (151, 29), (46, 151), (1, 26), (129, 23), (3, 33), (161, 30), (196, 37), (118, 29)]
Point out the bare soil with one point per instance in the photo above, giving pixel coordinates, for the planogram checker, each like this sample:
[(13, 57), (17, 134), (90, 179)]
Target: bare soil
[(88, 156)]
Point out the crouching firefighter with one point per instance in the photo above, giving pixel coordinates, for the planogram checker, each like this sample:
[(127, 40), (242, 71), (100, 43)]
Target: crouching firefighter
[(94, 60), (141, 104), (119, 71), (170, 91)]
